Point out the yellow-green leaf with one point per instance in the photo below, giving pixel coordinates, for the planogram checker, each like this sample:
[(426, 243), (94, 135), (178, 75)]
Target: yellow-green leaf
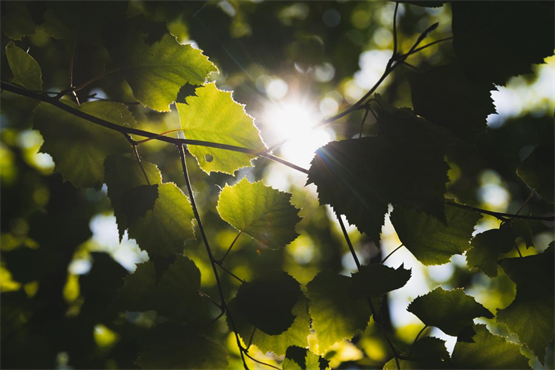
[(24, 67)]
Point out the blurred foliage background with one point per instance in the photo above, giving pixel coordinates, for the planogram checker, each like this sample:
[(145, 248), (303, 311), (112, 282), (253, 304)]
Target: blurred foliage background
[(283, 60)]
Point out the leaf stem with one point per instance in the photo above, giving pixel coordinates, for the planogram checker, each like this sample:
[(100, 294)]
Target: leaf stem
[(362, 123), (502, 216), (416, 339), (393, 251), (230, 273), (221, 260), (223, 303)]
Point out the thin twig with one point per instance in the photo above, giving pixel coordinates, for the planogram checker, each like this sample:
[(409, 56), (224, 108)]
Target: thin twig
[(416, 339), (526, 202), (260, 362), (229, 272), (136, 152), (393, 251), (502, 216), (395, 29), (431, 44), (362, 123), (221, 260), (250, 340)]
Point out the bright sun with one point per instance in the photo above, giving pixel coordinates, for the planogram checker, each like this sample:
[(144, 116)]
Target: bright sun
[(293, 120)]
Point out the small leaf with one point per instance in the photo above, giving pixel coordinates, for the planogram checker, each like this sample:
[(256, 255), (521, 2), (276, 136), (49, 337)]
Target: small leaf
[(431, 241), (260, 211), (443, 95), (449, 310), (488, 351), (24, 67), (267, 302), (531, 315), (521, 229), (297, 358), (157, 72), (175, 296), (335, 315), (537, 170), (214, 116), (427, 353), (486, 249), (123, 174), (376, 279), (164, 229), (17, 22), (295, 335), (80, 147)]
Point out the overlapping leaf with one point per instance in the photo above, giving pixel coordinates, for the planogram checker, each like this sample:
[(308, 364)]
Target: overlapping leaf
[(488, 351), (80, 147), (298, 358), (444, 94), (530, 316), (157, 72), (17, 22), (24, 67), (449, 310), (427, 353), (497, 40), (161, 229), (538, 169), (264, 213), (268, 301), (487, 248), (175, 296), (214, 116), (431, 241), (335, 315), (376, 279)]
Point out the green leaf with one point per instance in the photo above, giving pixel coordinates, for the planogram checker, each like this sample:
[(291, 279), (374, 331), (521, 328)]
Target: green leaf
[(335, 315), (449, 310), (123, 174), (264, 213), (175, 296), (80, 147), (295, 335), (214, 116), (488, 351), (427, 353), (443, 95), (376, 279), (507, 36), (297, 358), (24, 67), (521, 229), (431, 241), (163, 230), (486, 249), (17, 22), (156, 72), (267, 302), (537, 170), (175, 347), (530, 316)]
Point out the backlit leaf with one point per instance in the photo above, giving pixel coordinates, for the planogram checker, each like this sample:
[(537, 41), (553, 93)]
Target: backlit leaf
[(80, 147), (376, 279), (24, 67), (488, 351), (214, 116), (530, 316), (486, 249), (335, 315), (431, 241), (449, 310), (260, 211), (267, 302), (157, 72)]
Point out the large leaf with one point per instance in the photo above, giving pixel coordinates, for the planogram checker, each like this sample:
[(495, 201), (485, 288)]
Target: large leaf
[(157, 72), (427, 353), (295, 335), (449, 310), (538, 169), (530, 316), (175, 347), (17, 22), (298, 358), (175, 296), (79, 147), (431, 241), (495, 40), (487, 247), (444, 94), (376, 279), (268, 301), (264, 213), (162, 230), (488, 351), (24, 67), (122, 174), (214, 116), (335, 315)]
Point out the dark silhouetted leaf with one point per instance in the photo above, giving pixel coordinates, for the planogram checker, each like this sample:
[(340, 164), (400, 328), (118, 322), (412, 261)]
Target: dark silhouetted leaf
[(376, 279), (427, 353), (487, 248), (297, 358), (17, 22)]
